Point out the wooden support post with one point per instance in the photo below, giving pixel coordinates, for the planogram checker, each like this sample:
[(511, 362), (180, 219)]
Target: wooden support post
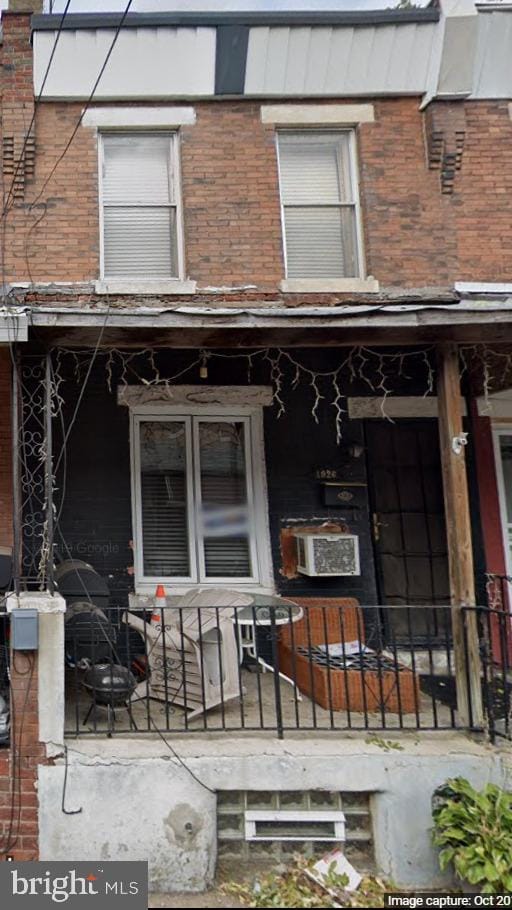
[(458, 530)]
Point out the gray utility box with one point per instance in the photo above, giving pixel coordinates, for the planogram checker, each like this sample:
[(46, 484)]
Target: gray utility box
[(24, 630)]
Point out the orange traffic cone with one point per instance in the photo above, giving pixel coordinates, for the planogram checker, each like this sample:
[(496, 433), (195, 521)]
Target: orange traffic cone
[(156, 616)]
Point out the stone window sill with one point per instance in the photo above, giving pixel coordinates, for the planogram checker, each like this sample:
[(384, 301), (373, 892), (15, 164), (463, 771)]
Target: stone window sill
[(329, 285), (141, 286)]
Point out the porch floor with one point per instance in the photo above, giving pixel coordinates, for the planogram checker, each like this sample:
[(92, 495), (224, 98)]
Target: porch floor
[(254, 710)]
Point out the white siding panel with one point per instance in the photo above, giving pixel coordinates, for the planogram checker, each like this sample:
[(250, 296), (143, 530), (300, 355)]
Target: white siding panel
[(339, 61), (366, 60), (298, 49), (421, 57), (401, 59), (145, 63), (493, 66), (360, 60), (316, 69), (256, 58), (383, 56), (277, 53)]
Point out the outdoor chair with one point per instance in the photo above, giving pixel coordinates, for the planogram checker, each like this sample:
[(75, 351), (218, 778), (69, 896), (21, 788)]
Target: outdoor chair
[(193, 655)]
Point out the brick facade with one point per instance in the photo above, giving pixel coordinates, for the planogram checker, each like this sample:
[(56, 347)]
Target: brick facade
[(19, 763), (426, 178), (416, 233)]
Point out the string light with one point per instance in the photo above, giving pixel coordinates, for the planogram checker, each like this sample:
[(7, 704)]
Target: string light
[(203, 369), (373, 367), (488, 368)]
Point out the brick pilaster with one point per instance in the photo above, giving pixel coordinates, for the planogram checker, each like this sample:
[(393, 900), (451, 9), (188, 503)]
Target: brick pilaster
[(18, 150), (18, 764)]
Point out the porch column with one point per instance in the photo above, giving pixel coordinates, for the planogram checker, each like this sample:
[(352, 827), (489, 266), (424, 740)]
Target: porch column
[(458, 530)]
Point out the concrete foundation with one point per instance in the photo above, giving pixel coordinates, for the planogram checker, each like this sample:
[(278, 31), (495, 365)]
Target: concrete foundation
[(139, 802)]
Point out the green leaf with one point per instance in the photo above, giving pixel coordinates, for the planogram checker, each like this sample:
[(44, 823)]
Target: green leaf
[(445, 857), (491, 873), (507, 883)]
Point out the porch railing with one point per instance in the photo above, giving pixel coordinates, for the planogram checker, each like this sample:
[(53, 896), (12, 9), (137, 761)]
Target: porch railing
[(197, 669), (495, 635)]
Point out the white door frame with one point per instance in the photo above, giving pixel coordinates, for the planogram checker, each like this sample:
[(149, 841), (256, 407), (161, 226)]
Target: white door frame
[(498, 431)]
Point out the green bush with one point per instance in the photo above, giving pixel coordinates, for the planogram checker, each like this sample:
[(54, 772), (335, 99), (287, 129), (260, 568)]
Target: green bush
[(474, 830)]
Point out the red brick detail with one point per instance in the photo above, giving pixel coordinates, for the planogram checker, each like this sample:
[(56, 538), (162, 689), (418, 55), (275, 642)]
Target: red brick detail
[(19, 831), (445, 132), (18, 148)]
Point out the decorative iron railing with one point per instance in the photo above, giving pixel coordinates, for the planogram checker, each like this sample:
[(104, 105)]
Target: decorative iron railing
[(495, 634), (278, 669)]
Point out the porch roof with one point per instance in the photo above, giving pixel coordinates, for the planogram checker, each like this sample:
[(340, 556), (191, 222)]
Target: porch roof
[(233, 322)]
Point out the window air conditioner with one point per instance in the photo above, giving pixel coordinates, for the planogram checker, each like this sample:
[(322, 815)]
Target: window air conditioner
[(327, 554)]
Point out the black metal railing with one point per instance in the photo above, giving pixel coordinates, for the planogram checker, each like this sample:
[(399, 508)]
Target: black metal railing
[(276, 669), (495, 637)]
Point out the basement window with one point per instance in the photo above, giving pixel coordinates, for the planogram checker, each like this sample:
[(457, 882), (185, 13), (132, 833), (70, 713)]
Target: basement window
[(291, 825), (264, 825)]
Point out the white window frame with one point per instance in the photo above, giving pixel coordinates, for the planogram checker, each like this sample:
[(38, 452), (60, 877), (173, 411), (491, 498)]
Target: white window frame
[(107, 282), (259, 540), (360, 281), (506, 531), (276, 816)]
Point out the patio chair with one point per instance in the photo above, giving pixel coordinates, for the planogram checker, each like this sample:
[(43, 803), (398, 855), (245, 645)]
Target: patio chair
[(193, 656)]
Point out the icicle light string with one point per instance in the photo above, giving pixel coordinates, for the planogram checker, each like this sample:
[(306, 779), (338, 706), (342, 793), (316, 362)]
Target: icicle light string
[(491, 366), (360, 364)]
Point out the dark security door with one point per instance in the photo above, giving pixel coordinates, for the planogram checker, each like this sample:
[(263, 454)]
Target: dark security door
[(406, 498)]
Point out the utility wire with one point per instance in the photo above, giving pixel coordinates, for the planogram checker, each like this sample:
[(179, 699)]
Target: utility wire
[(86, 107), (36, 105)]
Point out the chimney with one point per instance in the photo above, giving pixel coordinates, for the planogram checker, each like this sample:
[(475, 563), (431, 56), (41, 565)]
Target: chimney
[(25, 6)]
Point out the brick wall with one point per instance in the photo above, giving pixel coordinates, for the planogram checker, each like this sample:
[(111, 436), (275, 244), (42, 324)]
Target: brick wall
[(18, 765), (17, 107), (5, 449), (426, 179)]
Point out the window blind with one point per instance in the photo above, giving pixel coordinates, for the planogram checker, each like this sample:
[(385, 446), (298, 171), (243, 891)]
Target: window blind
[(318, 204), (194, 499), (139, 206), (164, 525), (164, 463), (224, 499)]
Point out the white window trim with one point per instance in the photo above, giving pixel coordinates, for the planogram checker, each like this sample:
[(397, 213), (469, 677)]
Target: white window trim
[(178, 285), (164, 117), (260, 541), (193, 396), (321, 115), (358, 284), (148, 286), (276, 816), (367, 285), (497, 432)]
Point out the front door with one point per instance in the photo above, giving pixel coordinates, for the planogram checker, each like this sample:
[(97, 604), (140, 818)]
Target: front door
[(406, 499)]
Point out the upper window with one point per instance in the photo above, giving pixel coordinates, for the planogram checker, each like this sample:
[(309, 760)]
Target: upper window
[(319, 203), (198, 498), (140, 211)]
